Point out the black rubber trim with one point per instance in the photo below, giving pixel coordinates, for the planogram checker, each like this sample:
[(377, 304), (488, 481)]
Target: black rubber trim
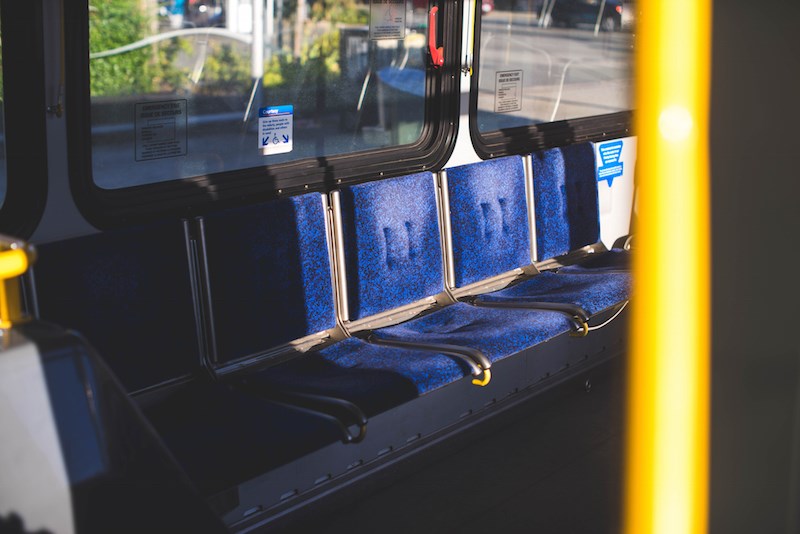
[(202, 194), (24, 110), (527, 139)]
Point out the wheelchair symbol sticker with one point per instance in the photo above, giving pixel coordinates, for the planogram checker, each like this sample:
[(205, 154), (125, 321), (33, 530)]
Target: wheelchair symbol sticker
[(275, 125)]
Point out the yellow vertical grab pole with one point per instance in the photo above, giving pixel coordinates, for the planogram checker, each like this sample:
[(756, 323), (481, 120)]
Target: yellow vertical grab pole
[(666, 479), (15, 258)]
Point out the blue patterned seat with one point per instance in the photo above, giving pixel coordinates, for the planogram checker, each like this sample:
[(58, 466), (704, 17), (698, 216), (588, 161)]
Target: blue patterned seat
[(123, 290), (269, 275), (128, 292), (373, 377), (567, 208), (592, 292), (491, 236), (270, 281), (393, 258), (498, 333), (615, 260)]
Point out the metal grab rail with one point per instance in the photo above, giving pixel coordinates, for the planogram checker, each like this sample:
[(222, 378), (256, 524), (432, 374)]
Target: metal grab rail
[(479, 364), (15, 258), (575, 313)]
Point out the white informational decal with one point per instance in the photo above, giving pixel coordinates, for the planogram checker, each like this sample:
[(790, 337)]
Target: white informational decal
[(275, 126), (615, 161), (508, 91), (160, 129), (387, 19), (34, 486)]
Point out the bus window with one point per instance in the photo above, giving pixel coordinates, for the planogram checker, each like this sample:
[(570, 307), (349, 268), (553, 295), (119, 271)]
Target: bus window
[(552, 60), (193, 88)]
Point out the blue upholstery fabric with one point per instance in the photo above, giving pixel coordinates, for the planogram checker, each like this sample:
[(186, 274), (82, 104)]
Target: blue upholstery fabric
[(222, 437), (489, 216), (426, 371), (565, 197), (269, 273), (614, 260), (373, 377), (129, 293), (498, 333), (391, 241), (592, 292)]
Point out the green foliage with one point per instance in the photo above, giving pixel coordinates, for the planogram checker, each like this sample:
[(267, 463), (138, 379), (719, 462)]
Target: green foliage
[(319, 60), (342, 11), (114, 23), (166, 76), (323, 53), (166, 66), (290, 78), (226, 71)]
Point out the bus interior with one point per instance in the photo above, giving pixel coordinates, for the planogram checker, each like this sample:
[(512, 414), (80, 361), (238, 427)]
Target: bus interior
[(366, 266)]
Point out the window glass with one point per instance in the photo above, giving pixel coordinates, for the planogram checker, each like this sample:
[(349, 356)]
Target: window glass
[(3, 169), (182, 88), (551, 60)]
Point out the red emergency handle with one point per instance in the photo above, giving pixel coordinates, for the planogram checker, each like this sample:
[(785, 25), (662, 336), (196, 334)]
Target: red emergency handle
[(437, 54)]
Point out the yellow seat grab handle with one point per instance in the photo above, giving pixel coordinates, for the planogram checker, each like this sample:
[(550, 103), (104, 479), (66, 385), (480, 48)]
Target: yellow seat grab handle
[(580, 331), (487, 377), (15, 258)]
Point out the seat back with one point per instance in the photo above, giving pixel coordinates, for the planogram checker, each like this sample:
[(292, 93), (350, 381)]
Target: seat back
[(129, 292), (392, 249), (269, 275), (488, 210), (565, 199)]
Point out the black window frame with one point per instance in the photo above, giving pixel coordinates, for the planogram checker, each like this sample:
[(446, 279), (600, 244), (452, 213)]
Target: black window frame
[(25, 109), (187, 197), (533, 137)]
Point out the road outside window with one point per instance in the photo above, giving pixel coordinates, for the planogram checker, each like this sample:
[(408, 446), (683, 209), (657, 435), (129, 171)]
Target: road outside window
[(550, 60)]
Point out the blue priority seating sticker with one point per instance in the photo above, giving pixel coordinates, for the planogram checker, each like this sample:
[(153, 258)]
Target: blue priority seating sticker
[(275, 129), (611, 167)]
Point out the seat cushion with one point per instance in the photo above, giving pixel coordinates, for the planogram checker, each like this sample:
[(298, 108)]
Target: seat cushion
[(222, 437), (614, 260), (263, 258), (498, 333), (373, 377), (392, 249), (122, 290), (565, 198), (592, 292), (489, 216)]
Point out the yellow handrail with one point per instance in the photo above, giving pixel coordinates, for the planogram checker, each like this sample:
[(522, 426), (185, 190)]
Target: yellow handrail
[(668, 371), (487, 377), (13, 262), (15, 258)]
